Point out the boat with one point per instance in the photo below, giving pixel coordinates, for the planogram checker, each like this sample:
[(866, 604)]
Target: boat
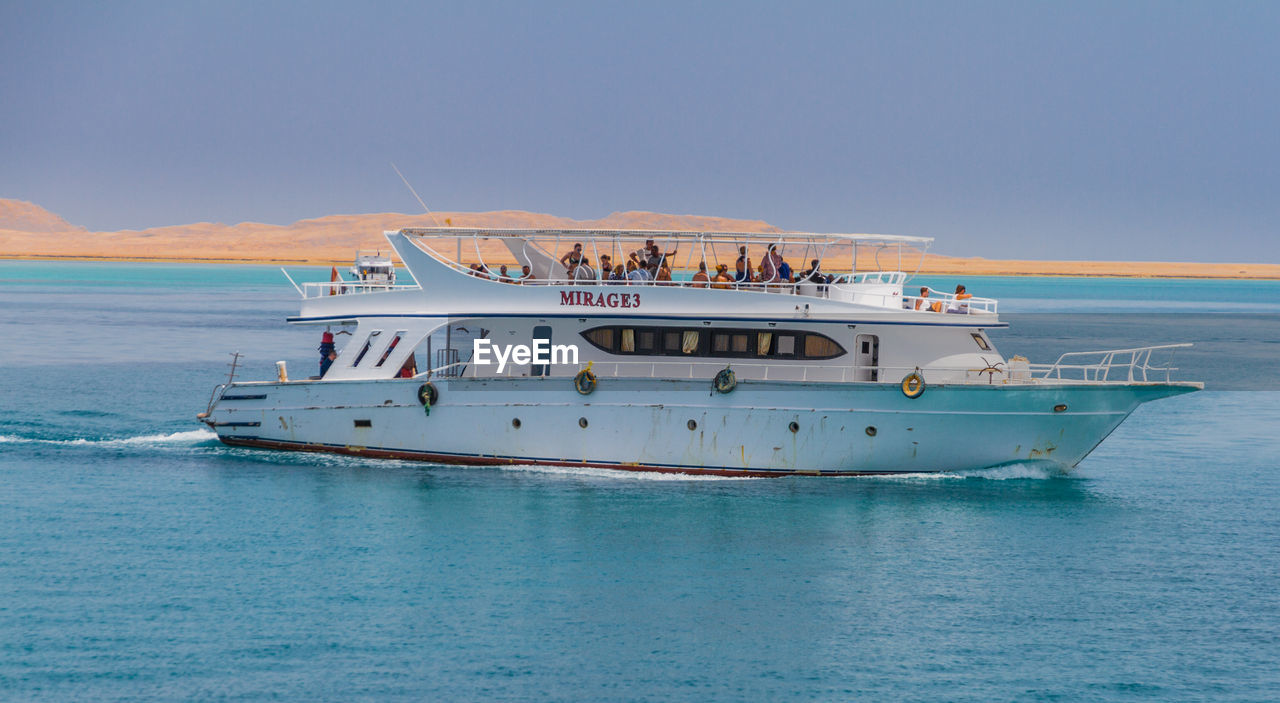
[(744, 370)]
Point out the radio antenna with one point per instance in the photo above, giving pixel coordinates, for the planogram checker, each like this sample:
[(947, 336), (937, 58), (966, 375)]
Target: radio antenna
[(415, 194)]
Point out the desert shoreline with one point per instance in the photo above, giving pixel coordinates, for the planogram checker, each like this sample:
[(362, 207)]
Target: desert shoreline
[(28, 232), (1046, 269)]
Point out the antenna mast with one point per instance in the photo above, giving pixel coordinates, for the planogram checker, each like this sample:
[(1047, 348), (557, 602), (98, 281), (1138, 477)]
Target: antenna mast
[(415, 194)]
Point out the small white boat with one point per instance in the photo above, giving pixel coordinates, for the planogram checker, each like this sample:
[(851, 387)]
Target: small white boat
[(830, 371)]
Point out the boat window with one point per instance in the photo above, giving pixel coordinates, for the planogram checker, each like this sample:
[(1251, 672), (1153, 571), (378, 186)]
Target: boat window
[(689, 344), (645, 340), (390, 348), (739, 343), (817, 346), (982, 342), (601, 337), (365, 349), (672, 342)]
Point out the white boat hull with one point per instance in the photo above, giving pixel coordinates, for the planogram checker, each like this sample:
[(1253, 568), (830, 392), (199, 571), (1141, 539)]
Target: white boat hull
[(762, 428)]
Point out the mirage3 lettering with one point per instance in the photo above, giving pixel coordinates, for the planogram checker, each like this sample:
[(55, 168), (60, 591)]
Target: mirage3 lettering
[(599, 300)]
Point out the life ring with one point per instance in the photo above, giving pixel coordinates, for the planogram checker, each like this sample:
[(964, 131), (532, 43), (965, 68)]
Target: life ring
[(585, 382), (913, 385), (725, 381), (427, 394)]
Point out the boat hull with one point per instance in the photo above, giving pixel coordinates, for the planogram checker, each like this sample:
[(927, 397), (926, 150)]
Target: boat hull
[(761, 428)]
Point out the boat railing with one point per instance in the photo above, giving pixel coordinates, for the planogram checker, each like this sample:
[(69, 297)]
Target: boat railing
[(1127, 365), (327, 288), (947, 303), (1114, 366)]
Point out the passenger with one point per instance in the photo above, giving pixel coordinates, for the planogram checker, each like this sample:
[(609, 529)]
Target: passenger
[(814, 274), (784, 270), (923, 304), (664, 273), (769, 265), (742, 273), (722, 279), (637, 274), (606, 266), (525, 274), (572, 258), (503, 276), (475, 271), (701, 279), (956, 304), (618, 275), (657, 257), (327, 354), (409, 368), (641, 255)]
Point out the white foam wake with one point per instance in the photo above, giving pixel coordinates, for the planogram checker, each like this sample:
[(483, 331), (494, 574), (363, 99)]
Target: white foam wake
[(188, 437), (620, 474)]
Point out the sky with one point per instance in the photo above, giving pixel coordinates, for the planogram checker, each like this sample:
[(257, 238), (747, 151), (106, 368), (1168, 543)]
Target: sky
[(1081, 130)]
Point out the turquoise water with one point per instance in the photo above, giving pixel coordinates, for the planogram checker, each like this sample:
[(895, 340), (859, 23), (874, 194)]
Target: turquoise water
[(140, 559)]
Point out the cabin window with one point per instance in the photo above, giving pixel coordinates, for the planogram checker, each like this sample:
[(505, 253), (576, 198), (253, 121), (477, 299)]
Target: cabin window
[(739, 343), (390, 348), (817, 346), (982, 342), (671, 342), (689, 344), (365, 349), (645, 340), (601, 337)]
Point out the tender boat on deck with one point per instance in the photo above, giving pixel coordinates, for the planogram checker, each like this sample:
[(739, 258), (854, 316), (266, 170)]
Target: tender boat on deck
[(839, 372)]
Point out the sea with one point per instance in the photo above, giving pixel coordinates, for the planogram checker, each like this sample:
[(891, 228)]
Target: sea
[(140, 559)]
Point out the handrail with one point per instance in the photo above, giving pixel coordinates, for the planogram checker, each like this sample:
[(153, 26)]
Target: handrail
[(317, 289), (1135, 362), (1137, 368)]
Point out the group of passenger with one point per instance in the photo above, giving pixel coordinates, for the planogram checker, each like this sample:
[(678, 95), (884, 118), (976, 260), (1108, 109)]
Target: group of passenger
[(958, 301), (651, 264), (501, 275)]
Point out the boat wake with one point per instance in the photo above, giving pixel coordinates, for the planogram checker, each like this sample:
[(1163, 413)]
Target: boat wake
[(1029, 471), (173, 439), (619, 474)]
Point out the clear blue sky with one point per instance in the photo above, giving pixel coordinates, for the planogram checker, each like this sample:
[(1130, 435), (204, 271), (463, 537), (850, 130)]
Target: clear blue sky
[(1056, 130)]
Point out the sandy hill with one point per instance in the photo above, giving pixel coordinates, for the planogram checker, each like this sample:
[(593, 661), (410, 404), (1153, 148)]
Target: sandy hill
[(28, 231)]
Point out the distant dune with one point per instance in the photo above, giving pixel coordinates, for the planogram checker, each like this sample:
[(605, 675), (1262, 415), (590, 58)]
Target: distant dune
[(28, 231)]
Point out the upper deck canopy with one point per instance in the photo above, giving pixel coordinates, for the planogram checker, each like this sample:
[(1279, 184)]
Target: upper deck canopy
[(670, 235)]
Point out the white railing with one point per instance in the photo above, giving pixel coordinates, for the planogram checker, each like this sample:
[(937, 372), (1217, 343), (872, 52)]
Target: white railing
[(891, 278), (947, 303), (320, 290), (1130, 365)]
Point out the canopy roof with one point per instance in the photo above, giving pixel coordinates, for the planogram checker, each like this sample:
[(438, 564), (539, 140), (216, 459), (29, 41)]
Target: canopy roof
[(666, 235)]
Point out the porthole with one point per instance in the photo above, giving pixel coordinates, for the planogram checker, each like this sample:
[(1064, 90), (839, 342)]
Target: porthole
[(582, 422), (1060, 407), (871, 431), (515, 422), (693, 424), (794, 427)]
